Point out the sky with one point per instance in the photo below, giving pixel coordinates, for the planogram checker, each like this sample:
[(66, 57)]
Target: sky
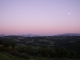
[(42, 17)]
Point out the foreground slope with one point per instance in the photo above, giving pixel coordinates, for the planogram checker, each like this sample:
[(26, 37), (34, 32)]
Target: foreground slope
[(6, 56)]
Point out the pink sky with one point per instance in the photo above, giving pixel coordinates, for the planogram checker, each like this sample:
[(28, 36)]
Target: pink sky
[(42, 17)]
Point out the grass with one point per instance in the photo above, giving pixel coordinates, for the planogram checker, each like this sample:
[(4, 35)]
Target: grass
[(7, 56)]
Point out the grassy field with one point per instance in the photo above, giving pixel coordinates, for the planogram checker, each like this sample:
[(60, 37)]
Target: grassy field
[(6, 56)]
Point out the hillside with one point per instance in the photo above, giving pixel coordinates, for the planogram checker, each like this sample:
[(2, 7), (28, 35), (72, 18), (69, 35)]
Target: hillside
[(69, 42), (7, 56), (40, 47)]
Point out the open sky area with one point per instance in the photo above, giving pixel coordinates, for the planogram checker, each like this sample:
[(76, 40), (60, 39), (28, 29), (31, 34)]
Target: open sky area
[(42, 17)]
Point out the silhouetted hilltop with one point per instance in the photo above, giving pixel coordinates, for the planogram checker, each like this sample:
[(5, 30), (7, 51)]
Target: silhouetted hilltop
[(69, 34)]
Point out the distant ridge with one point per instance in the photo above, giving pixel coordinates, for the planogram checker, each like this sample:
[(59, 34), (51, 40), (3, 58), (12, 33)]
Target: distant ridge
[(1, 35), (33, 35), (29, 35), (69, 34)]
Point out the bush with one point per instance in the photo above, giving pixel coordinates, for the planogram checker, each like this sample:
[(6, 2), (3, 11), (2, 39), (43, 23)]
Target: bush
[(20, 54)]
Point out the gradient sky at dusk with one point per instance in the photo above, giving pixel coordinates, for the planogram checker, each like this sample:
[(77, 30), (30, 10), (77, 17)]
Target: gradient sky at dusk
[(42, 17)]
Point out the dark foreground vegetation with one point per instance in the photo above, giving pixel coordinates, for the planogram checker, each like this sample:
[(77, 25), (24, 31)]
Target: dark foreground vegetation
[(54, 48)]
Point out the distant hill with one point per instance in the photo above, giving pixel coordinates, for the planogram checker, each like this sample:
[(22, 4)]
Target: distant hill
[(1, 35), (29, 35), (69, 34), (66, 34)]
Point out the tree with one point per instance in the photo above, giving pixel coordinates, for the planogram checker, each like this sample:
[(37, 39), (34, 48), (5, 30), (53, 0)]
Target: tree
[(1, 42), (9, 43)]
